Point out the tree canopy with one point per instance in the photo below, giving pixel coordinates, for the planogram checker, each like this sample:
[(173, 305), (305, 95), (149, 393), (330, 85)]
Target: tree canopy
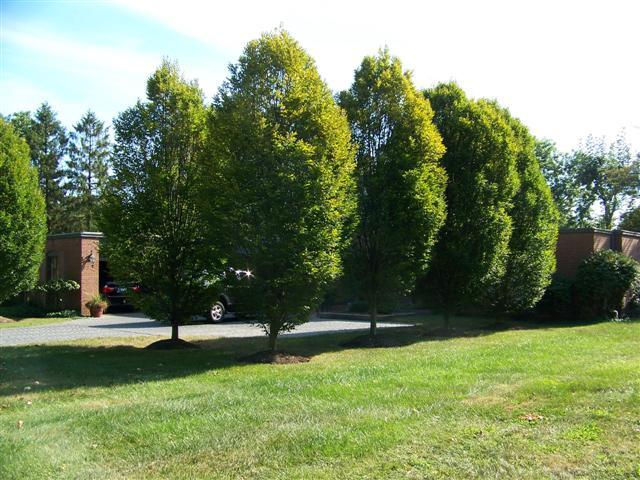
[(150, 217), (531, 258), (23, 226), (283, 147), (400, 182), (470, 257), (87, 170)]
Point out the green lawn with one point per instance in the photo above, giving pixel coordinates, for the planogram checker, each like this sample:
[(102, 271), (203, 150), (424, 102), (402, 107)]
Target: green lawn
[(33, 322), (535, 403), (29, 316)]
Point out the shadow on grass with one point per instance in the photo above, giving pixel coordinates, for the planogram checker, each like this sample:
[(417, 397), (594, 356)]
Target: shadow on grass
[(117, 362)]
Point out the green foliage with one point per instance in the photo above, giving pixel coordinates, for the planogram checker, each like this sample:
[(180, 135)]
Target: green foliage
[(557, 170), (62, 314), (19, 310), (87, 171), (283, 147), (400, 182), (22, 216), (47, 139), (608, 176), (602, 281), (481, 164), (631, 220), (531, 259), (57, 286), (557, 301), (150, 215), (97, 301)]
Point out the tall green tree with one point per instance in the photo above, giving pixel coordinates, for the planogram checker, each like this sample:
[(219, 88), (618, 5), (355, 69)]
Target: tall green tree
[(531, 259), (150, 214), (400, 182), (48, 142), (608, 176), (87, 169), (284, 148), (557, 169), (471, 255), (23, 227)]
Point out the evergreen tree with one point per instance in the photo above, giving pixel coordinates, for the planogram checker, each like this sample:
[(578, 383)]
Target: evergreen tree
[(283, 147), (87, 170), (470, 257), (23, 226), (400, 181), (48, 141)]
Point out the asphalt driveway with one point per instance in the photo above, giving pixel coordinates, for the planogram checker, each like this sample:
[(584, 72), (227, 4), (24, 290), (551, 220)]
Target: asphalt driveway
[(136, 325)]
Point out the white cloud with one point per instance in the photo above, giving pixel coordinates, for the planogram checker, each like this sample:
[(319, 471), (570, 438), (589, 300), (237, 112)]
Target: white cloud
[(566, 68)]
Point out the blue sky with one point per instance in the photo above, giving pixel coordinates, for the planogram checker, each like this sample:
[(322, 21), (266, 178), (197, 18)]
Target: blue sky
[(566, 68)]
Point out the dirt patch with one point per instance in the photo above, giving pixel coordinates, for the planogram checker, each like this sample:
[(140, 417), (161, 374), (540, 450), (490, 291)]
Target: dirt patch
[(6, 320), (279, 358), (168, 344)]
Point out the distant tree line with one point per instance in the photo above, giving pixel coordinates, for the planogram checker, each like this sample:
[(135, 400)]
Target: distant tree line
[(595, 185), (72, 166)]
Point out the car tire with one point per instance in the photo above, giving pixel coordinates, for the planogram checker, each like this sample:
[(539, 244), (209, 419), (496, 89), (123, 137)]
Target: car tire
[(216, 312)]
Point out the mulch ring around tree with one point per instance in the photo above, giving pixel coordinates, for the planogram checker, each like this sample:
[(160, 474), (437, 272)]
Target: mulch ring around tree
[(169, 344), (278, 358)]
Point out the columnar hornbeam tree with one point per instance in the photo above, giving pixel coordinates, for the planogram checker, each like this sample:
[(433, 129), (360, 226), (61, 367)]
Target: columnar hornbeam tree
[(400, 181), (283, 148), (151, 216), (471, 256)]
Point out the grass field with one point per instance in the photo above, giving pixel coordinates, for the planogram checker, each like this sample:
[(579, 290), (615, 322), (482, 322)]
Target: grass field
[(545, 402)]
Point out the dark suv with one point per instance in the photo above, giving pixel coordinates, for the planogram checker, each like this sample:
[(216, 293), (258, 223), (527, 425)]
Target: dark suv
[(225, 305)]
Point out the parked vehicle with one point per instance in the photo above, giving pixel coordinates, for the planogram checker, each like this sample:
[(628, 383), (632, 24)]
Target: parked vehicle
[(118, 294), (225, 307)]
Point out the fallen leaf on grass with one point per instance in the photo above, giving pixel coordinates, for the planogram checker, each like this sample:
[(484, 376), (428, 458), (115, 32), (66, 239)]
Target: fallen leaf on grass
[(20, 423), (531, 417)]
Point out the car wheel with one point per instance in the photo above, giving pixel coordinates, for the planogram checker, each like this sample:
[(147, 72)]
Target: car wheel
[(216, 312)]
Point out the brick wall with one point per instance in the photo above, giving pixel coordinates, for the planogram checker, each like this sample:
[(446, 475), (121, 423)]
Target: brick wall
[(574, 245), (77, 257)]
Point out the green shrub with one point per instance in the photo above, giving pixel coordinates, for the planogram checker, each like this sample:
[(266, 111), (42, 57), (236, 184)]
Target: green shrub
[(557, 300), (63, 314), (18, 311), (602, 282)]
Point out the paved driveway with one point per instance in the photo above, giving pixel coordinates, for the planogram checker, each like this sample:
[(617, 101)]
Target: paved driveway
[(136, 324)]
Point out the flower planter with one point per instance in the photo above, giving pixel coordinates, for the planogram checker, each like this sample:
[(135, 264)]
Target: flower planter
[(96, 311)]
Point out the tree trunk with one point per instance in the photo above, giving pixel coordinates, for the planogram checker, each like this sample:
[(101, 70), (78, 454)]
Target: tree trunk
[(273, 339), (373, 315), (174, 330)]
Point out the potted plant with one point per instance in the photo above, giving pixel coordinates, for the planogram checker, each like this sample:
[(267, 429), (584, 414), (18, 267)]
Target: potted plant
[(97, 305)]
